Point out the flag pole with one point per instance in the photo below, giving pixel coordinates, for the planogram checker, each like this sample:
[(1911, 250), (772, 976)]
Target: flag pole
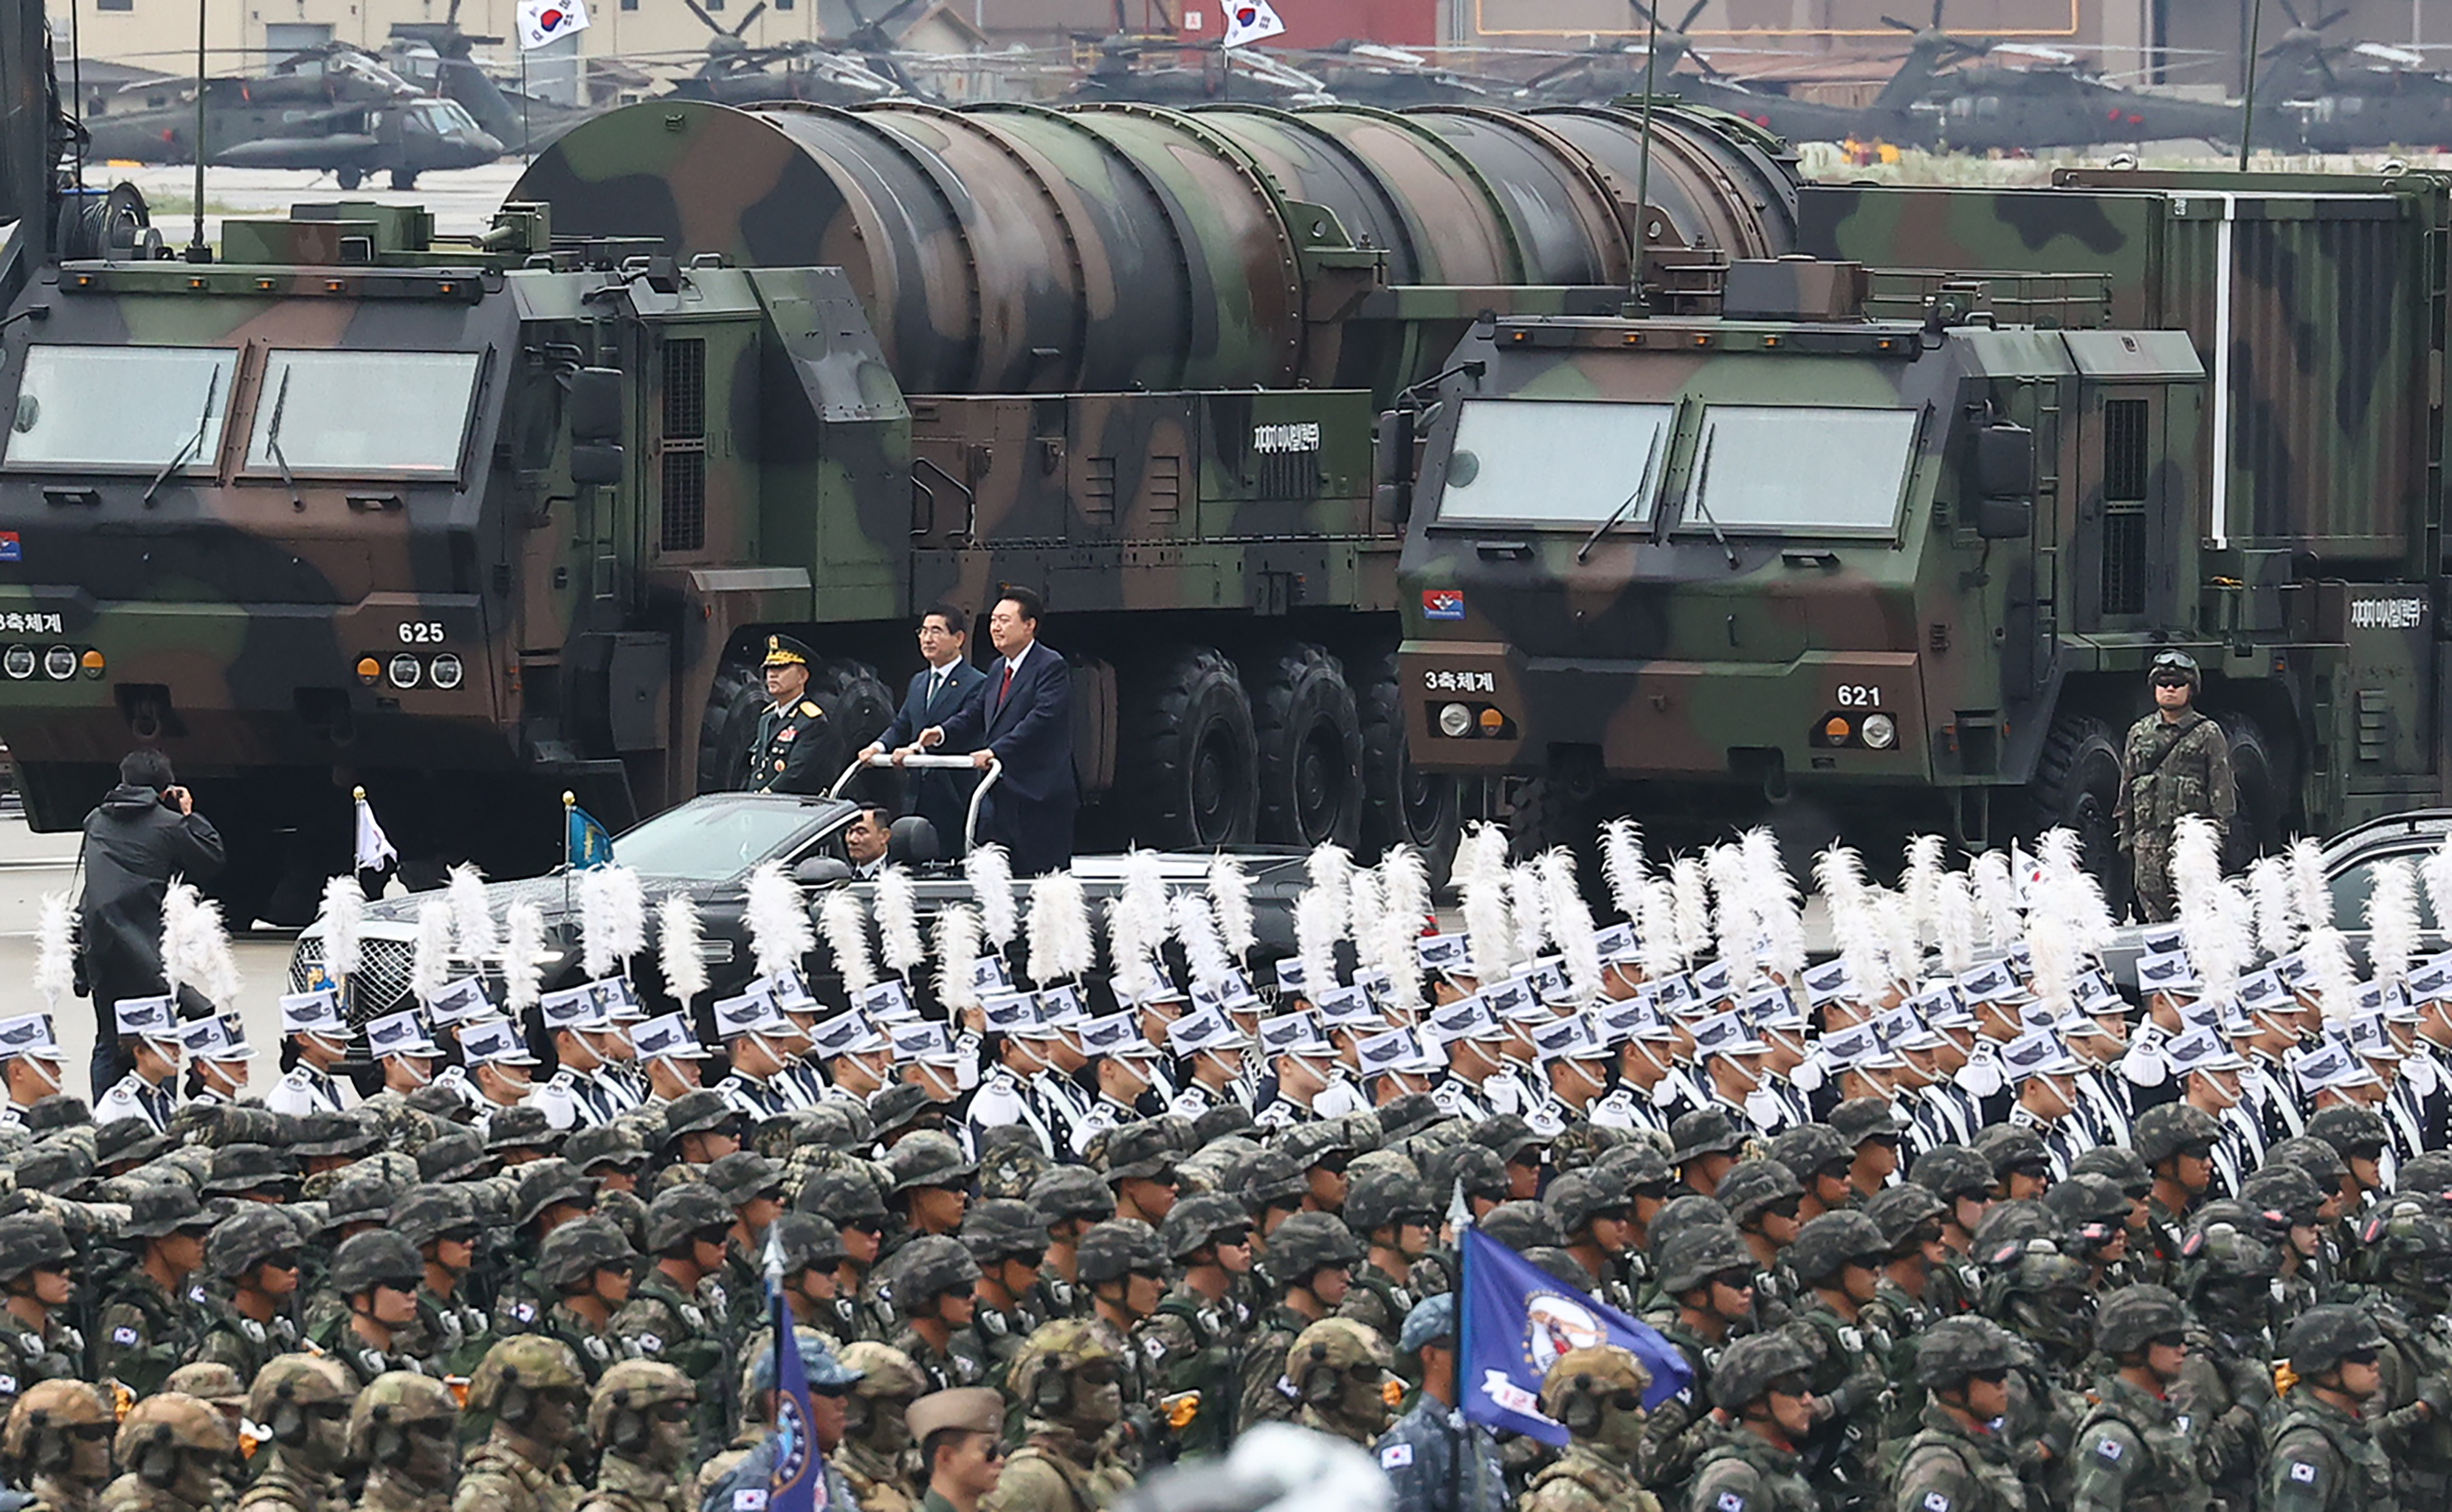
[(569, 801), (1463, 1384)]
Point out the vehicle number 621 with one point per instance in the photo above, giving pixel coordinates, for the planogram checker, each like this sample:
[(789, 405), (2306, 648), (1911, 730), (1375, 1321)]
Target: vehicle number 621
[(1859, 695), (421, 632)]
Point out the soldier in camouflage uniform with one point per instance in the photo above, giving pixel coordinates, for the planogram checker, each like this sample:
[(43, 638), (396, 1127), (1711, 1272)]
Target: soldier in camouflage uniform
[(1069, 1200), (1707, 1286), (2225, 1387), (931, 1284), (377, 1276), (1008, 1243), (253, 1255), (1065, 1379), (1122, 1265), (303, 1405), (640, 1421), (57, 1443), (1959, 1461), (1391, 1213), (174, 1451), (533, 1389), (1342, 1371), (1763, 1390), (876, 1448), (668, 1318), (2321, 1456), (1910, 1217), (1839, 1256), (35, 1261), (405, 1429), (441, 1223), (1312, 1258), (146, 1326), (1596, 1393), (2175, 761), (588, 1265), (1194, 1340), (850, 1201), (2408, 1244), (2132, 1448)]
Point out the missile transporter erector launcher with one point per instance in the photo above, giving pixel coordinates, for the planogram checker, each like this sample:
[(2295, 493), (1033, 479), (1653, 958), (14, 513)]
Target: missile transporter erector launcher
[(1899, 525), (473, 522)]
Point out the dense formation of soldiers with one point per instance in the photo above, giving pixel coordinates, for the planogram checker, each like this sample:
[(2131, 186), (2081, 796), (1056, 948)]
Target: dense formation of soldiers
[(1952, 1221)]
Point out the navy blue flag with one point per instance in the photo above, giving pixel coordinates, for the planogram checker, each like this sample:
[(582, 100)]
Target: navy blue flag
[(799, 1483), (1518, 1319)]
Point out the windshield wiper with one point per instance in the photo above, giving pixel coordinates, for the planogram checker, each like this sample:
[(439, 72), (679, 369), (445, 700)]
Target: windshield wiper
[(213, 388), (1702, 482), (281, 459), (1642, 490)]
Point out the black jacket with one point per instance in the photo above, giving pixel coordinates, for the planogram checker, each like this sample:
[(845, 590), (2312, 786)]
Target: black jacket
[(134, 845)]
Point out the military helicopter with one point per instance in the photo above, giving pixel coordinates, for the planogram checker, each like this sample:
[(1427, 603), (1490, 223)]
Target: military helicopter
[(1393, 78), (734, 73), (437, 57), (1616, 72), (333, 108), (1164, 70), (2392, 99)]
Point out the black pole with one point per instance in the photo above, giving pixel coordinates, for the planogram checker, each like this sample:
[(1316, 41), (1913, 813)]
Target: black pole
[(2248, 107), (1643, 162), (197, 250)]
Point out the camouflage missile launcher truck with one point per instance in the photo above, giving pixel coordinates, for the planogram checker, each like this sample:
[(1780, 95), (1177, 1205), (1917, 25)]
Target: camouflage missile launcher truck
[(1899, 527), (471, 524)]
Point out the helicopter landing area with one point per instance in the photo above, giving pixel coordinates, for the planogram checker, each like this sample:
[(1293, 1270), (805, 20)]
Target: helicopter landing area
[(463, 201)]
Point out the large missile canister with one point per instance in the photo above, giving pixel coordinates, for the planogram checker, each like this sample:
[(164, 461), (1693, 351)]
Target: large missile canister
[(1012, 248)]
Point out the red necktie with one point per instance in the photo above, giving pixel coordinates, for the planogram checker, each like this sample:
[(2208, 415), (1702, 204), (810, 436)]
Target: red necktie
[(1005, 686)]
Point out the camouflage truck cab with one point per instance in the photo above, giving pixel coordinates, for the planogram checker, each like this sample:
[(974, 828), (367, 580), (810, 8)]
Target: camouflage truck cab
[(1907, 537), (470, 523)]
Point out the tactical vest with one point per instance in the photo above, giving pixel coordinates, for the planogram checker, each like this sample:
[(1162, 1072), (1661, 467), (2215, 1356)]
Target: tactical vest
[(2167, 1480)]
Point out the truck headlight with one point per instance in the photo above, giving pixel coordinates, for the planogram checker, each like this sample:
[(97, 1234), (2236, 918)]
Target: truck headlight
[(1456, 720), (446, 672), (1880, 731), (60, 663), (405, 671), (19, 661)]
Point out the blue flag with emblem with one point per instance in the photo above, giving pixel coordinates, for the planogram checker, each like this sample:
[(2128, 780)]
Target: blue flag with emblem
[(589, 843), (799, 1483), (1516, 1321)]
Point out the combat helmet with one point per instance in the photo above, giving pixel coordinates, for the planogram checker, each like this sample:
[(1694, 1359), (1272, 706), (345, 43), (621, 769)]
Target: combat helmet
[(685, 1210), (302, 1400), (1694, 1257), (1523, 1225), (1198, 1221), (1050, 1361), (1583, 1384), (245, 1240), (1004, 1228), (394, 1411), (806, 1241), (174, 1442), (573, 1253), (1071, 1192), (885, 1371), (928, 1158), (1951, 1171), (378, 1258), (33, 1241), (518, 1368), (2133, 1317), (1380, 1196), (1749, 1367), (1832, 1241), (1955, 1348), (1339, 1367), (45, 1421), (1117, 1249), (2323, 1337), (1307, 1243), (927, 1268), (632, 1397), (2167, 1129)]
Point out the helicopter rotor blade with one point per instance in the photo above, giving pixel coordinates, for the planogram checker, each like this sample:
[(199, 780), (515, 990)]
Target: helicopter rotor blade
[(751, 15), (1897, 25), (2322, 22), (700, 12), (2292, 12), (1692, 12)]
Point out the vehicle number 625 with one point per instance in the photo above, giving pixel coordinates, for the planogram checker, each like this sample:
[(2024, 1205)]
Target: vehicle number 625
[(421, 632), (1859, 695)]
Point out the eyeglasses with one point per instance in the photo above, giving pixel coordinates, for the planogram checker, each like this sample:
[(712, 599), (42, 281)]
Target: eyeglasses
[(1097, 1373), (1785, 1207), (1150, 1272), (1990, 1377), (285, 1259), (673, 1411), (1650, 1192), (1334, 1163), (2169, 1341), (865, 1225), (1165, 1178), (1232, 1239), (991, 1448), (1033, 1258), (1735, 1279), (1626, 1401), (93, 1432), (1789, 1387), (2361, 1357)]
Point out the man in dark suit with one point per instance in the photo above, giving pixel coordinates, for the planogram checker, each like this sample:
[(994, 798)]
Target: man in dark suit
[(943, 798), (1023, 719)]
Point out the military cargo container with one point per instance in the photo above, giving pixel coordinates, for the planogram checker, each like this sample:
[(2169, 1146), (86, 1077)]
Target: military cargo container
[(1898, 525), (470, 523)]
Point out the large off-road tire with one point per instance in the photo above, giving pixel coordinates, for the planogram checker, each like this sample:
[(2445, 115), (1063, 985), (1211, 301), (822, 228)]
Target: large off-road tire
[(1544, 812), (348, 178), (1402, 805), (728, 725), (1191, 763), (1311, 748), (858, 706), (2076, 787), (2261, 820)]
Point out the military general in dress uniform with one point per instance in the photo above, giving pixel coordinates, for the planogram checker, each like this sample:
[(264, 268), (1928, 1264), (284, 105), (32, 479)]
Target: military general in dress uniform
[(783, 758)]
